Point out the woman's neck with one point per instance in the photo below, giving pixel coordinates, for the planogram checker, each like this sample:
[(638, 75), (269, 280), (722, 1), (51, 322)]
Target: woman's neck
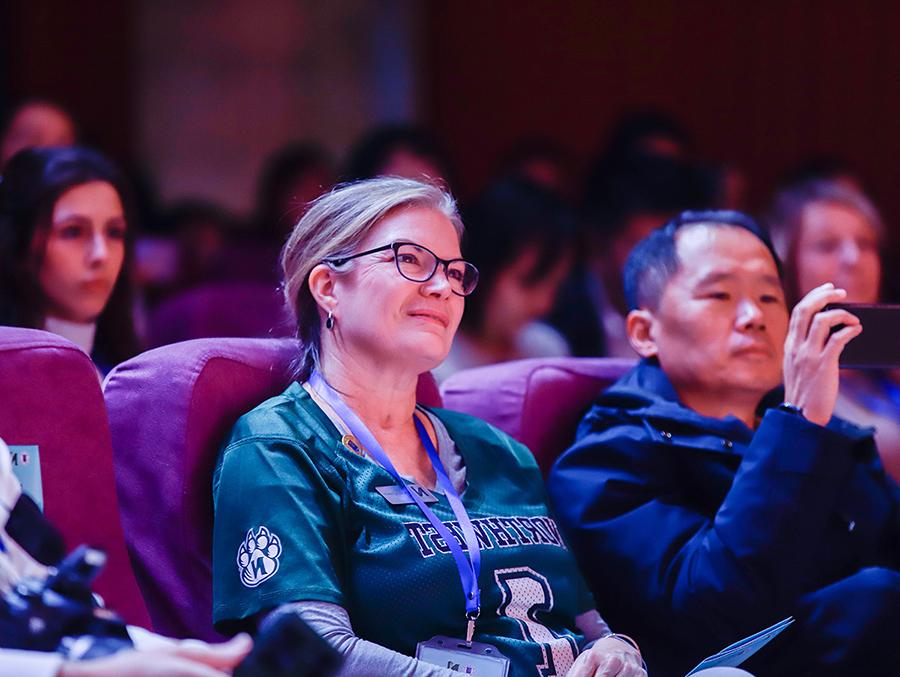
[(80, 333), (383, 398)]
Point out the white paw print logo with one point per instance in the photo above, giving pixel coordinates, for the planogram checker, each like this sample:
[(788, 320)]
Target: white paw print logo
[(257, 558)]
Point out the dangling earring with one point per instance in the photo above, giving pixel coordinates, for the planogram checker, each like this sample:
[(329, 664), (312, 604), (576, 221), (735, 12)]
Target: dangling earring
[(329, 321)]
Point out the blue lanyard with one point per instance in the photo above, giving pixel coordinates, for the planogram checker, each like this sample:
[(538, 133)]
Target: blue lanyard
[(469, 567)]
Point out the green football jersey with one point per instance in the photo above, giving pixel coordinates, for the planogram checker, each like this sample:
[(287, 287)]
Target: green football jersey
[(298, 517)]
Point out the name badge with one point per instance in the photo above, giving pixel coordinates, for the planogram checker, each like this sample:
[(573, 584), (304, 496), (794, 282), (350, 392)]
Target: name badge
[(476, 658), (397, 495), (26, 466)]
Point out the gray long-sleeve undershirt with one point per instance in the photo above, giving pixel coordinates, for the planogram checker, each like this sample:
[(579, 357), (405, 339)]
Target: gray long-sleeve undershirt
[(332, 622)]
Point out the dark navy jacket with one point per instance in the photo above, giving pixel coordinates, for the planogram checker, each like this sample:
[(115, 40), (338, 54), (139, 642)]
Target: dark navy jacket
[(694, 532)]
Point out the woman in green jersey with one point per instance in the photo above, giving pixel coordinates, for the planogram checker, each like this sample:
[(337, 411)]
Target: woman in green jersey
[(345, 502)]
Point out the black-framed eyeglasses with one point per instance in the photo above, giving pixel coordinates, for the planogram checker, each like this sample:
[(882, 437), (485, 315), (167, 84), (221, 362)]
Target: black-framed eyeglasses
[(419, 264)]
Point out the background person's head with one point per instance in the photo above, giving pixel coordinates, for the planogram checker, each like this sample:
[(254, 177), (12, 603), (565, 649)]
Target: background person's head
[(374, 309), (542, 161), (635, 196), (292, 177), (828, 231), (648, 132), (401, 150), (706, 301), (823, 168), (521, 238), (65, 245), (202, 230), (36, 124)]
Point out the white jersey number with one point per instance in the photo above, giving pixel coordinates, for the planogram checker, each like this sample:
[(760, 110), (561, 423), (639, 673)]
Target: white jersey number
[(525, 593)]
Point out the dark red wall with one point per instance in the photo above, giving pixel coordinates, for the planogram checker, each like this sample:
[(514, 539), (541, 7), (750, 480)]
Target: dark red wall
[(80, 54), (760, 84)]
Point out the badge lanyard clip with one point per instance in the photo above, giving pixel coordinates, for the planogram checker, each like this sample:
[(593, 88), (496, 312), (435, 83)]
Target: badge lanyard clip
[(471, 617), (468, 567)]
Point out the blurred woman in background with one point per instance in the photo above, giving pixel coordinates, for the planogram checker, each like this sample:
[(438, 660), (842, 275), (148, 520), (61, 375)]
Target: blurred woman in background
[(521, 236), (65, 250), (829, 231)]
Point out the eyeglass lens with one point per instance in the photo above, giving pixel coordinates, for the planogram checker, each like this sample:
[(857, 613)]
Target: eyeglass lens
[(418, 264)]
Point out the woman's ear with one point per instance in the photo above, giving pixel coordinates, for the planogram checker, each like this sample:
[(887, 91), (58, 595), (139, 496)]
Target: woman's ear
[(639, 327), (322, 286)]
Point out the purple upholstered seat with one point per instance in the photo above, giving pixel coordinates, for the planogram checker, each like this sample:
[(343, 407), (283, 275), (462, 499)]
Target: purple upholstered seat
[(538, 401), (238, 309), (170, 409), (52, 399)]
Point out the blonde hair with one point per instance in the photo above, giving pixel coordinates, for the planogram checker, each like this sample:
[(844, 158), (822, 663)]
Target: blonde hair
[(785, 219), (786, 214), (334, 226)]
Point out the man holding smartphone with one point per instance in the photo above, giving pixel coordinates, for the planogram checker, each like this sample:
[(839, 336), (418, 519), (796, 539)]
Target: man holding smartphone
[(718, 500)]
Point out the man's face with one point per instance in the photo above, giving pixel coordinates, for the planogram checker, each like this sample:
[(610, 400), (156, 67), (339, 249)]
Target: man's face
[(721, 323)]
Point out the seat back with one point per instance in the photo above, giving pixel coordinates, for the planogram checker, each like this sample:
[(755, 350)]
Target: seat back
[(170, 410), (52, 400), (235, 309), (537, 401)]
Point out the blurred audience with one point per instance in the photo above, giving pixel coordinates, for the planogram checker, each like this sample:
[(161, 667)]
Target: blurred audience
[(520, 236), (65, 250), (402, 150), (715, 546), (656, 133), (829, 231), (36, 123), (636, 195)]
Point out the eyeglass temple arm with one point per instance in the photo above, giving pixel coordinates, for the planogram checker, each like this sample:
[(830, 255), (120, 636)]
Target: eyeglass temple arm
[(342, 260)]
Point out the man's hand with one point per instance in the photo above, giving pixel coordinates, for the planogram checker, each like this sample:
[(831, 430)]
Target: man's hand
[(811, 352), (609, 657), (188, 658)]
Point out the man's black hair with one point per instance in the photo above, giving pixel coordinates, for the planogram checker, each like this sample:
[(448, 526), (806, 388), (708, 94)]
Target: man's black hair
[(654, 260)]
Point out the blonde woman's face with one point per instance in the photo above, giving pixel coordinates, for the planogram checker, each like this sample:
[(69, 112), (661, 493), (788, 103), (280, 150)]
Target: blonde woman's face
[(84, 252), (837, 244), (389, 318)]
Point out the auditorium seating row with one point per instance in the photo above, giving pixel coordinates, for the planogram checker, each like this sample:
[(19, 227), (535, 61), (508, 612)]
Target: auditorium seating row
[(128, 467)]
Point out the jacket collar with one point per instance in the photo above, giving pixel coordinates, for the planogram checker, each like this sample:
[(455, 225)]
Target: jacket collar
[(645, 391)]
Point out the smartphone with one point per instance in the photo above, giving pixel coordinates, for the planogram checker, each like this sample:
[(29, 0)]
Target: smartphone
[(878, 347), (289, 648)]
